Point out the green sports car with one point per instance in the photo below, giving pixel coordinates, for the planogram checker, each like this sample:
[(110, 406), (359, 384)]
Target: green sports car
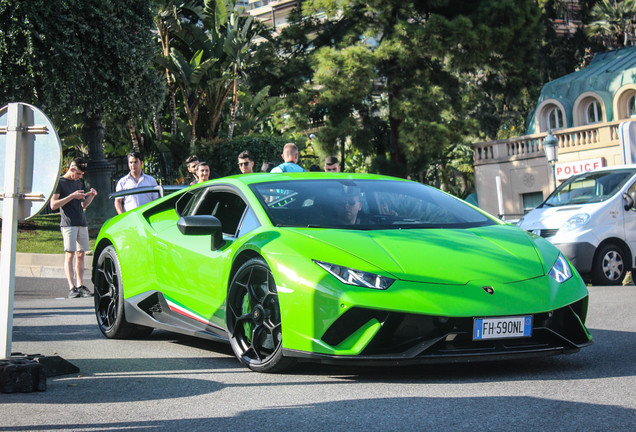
[(351, 268)]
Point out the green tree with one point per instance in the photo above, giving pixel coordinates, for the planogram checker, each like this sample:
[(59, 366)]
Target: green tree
[(168, 20), (238, 43), (614, 22), (441, 73), (210, 49), (81, 58)]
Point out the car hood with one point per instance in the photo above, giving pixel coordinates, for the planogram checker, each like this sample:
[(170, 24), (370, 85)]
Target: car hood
[(500, 253), (555, 217)]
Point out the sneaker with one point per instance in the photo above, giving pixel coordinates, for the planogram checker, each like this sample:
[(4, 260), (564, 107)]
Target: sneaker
[(73, 293), (84, 292)]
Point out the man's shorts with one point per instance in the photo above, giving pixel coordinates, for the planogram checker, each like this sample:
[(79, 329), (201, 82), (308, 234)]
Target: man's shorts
[(75, 238)]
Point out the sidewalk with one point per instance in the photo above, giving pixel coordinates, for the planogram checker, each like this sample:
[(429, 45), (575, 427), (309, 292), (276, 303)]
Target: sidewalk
[(45, 265)]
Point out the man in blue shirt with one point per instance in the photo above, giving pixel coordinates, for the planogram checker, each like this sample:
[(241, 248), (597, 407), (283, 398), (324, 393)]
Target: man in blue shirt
[(290, 156)]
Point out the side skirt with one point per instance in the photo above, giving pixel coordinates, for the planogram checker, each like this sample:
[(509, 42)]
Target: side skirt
[(153, 309)]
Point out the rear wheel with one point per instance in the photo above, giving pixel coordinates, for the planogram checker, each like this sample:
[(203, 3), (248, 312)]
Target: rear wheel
[(253, 318), (109, 299), (610, 265)]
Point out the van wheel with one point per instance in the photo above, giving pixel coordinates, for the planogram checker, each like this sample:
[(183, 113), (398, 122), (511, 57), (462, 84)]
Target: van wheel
[(610, 266)]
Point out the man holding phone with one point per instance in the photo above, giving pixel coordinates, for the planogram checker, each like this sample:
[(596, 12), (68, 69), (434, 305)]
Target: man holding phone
[(71, 199)]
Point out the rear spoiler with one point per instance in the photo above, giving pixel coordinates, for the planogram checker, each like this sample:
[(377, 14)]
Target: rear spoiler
[(162, 190)]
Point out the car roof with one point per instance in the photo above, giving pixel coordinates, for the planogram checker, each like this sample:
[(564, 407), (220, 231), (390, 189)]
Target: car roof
[(631, 167), (255, 178)]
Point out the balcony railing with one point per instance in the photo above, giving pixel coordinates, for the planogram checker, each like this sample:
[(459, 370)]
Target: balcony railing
[(588, 137)]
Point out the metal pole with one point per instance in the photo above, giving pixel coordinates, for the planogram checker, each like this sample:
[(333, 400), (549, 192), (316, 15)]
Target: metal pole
[(9, 225)]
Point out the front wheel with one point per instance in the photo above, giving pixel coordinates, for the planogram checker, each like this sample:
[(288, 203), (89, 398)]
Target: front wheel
[(109, 299), (254, 320), (610, 265)]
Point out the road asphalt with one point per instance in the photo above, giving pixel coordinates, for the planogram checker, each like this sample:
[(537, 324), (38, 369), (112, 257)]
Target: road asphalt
[(173, 382)]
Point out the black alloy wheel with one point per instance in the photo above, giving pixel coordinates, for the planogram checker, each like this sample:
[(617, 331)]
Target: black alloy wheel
[(254, 319), (109, 300)]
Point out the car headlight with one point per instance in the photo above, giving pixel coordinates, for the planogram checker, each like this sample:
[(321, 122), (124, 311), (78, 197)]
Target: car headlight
[(359, 278), (576, 221), (560, 271)]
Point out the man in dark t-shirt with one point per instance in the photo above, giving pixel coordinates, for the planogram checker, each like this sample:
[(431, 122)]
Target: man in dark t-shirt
[(71, 199)]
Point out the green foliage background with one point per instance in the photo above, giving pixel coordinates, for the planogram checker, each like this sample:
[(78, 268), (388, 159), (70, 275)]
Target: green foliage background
[(223, 156), (388, 86)]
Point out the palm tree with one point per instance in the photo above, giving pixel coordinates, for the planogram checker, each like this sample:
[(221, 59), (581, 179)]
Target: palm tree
[(192, 78), (614, 20), (168, 21), (237, 46)]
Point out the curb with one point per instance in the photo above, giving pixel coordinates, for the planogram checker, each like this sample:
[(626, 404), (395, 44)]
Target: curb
[(45, 265)]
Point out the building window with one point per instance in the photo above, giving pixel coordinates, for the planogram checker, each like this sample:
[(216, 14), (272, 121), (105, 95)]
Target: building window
[(531, 200), (593, 112), (630, 108), (555, 118)]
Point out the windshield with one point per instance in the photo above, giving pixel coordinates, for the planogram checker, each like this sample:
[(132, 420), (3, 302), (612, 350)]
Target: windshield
[(364, 204), (590, 187)]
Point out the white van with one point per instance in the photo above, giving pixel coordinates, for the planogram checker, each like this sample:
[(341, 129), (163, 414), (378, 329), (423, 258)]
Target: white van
[(591, 218)]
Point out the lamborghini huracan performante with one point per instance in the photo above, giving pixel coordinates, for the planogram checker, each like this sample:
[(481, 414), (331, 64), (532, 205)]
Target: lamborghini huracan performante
[(350, 268)]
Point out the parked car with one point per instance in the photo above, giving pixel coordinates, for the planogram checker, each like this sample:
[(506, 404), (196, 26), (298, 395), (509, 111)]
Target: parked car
[(345, 268), (591, 219)]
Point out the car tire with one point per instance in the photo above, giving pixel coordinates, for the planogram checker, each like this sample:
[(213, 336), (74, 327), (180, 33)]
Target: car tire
[(610, 265), (254, 319), (109, 299)]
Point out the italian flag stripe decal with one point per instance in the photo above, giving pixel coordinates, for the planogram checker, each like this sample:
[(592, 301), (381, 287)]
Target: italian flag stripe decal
[(175, 307)]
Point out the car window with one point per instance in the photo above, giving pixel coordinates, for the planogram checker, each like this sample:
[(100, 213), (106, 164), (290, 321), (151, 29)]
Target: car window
[(225, 206), (186, 202), (250, 222), (363, 204), (590, 187)]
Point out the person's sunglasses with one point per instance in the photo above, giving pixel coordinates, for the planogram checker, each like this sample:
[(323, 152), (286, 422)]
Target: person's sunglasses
[(243, 163)]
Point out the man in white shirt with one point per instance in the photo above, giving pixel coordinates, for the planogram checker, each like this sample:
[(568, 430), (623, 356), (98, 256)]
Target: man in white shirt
[(136, 178)]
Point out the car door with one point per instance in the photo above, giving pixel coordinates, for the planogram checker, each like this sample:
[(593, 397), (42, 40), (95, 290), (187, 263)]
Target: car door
[(630, 225), (190, 272)]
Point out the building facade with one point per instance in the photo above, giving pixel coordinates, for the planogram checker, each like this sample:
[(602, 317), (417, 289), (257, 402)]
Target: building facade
[(272, 13), (588, 111)]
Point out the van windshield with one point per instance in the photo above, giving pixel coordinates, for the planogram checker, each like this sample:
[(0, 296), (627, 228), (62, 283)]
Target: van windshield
[(590, 187)]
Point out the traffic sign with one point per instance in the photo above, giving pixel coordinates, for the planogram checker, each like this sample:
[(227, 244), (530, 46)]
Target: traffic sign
[(40, 158), (30, 161)]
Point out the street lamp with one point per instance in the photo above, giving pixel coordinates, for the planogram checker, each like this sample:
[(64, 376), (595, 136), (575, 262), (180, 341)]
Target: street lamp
[(551, 149)]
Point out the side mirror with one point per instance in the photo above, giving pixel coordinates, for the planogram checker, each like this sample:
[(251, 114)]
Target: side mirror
[(630, 201), (202, 225)]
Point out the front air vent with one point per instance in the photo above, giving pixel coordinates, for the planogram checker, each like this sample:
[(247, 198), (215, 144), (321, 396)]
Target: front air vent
[(545, 233)]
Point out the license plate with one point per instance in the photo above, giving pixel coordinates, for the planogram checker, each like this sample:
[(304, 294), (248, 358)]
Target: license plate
[(502, 327)]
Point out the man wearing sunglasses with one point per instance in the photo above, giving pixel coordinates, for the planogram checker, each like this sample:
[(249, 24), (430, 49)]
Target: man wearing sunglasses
[(245, 162), (72, 201), (348, 207)]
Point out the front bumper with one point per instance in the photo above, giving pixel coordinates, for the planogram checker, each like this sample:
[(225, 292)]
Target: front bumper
[(410, 339), (581, 255)]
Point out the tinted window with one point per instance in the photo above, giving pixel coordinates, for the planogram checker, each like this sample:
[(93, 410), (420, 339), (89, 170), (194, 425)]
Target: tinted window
[(225, 206), (364, 204)]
